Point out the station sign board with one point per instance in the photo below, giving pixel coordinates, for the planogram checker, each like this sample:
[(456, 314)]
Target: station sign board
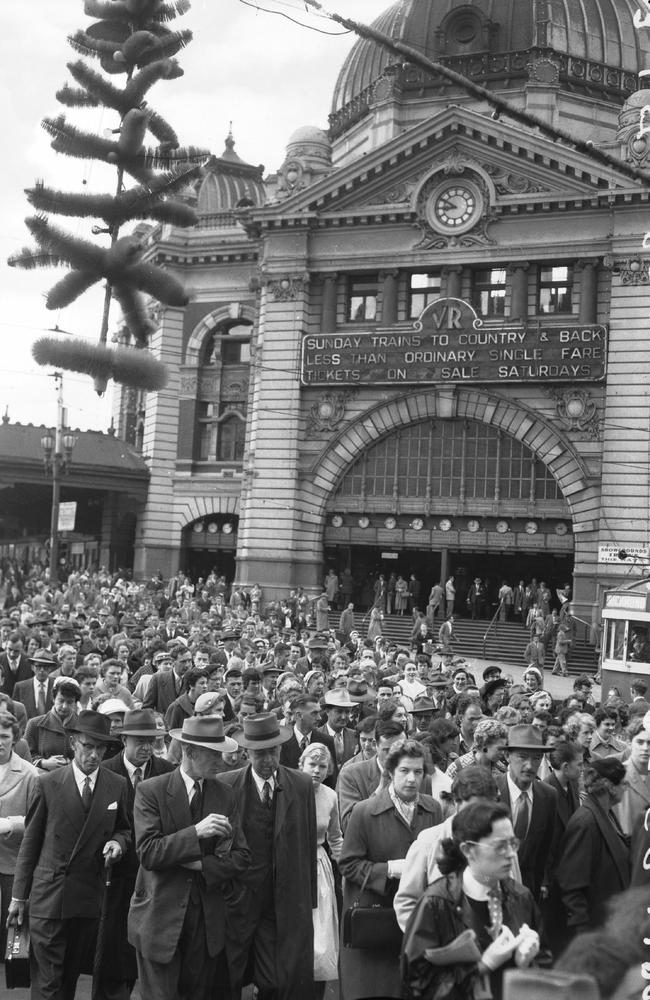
[(611, 552), (450, 344)]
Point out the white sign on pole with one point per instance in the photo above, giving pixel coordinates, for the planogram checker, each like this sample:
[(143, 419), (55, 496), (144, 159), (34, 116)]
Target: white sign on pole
[(609, 553), (67, 515)]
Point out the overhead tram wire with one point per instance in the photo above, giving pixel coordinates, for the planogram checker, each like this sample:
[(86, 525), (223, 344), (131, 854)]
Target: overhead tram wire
[(501, 105), (301, 24)]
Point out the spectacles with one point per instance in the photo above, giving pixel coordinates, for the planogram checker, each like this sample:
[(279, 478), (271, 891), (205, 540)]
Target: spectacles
[(500, 847)]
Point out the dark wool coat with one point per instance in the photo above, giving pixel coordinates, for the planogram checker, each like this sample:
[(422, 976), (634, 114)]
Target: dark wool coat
[(536, 851), (376, 834), (47, 736), (440, 916), (593, 865), (295, 890)]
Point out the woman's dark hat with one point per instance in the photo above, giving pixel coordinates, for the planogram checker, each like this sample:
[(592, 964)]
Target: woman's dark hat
[(263, 731), (526, 738), (139, 722), (92, 724), (204, 731), (359, 692)]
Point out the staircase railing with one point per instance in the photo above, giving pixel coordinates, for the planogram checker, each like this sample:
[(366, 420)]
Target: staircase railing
[(493, 624)]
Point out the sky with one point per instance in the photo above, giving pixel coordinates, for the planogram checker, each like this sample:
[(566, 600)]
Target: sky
[(259, 70)]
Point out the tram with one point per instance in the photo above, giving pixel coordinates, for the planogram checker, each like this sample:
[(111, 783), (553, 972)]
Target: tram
[(626, 636)]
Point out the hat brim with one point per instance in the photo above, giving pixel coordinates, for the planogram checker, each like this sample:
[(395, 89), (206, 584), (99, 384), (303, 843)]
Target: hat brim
[(338, 704), (141, 732), (361, 699), (273, 741), (221, 746), (530, 746), (110, 738)]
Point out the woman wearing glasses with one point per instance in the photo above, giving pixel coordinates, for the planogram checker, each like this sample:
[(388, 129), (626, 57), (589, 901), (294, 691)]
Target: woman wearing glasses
[(475, 921)]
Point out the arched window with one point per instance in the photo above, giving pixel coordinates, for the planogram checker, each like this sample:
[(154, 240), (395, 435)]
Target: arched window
[(222, 400)]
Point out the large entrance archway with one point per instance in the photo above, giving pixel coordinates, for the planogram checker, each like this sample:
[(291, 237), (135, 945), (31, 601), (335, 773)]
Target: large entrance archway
[(462, 482)]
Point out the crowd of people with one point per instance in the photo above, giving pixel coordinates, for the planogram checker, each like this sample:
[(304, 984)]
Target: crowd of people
[(200, 791)]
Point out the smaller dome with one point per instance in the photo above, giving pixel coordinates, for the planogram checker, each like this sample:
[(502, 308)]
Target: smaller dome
[(310, 143), (309, 133), (228, 182)]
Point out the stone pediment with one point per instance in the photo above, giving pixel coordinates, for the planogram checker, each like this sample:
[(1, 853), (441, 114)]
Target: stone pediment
[(518, 168)]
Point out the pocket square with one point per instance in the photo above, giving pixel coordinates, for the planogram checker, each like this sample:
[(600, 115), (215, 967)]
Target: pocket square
[(113, 805)]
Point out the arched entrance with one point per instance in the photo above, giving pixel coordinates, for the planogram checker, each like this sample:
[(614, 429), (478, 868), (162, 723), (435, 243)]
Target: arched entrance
[(458, 481)]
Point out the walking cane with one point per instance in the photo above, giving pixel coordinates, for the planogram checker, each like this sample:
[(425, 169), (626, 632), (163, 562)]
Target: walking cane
[(100, 946)]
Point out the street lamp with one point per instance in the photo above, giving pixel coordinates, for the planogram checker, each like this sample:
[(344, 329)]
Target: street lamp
[(57, 448)]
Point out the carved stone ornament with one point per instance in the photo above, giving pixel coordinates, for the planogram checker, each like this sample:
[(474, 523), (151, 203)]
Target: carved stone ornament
[(631, 270), (577, 411), (632, 132), (328, 411), (453, 207), (544, 72), (188, 385), (287, 289), (508, 183)]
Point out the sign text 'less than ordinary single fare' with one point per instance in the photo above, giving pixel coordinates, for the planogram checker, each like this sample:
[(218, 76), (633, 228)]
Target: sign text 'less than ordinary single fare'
[(449, 343)]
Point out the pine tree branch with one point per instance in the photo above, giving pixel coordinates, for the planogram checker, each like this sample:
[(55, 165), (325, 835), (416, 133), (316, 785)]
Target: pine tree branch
[(80, 254), (163, 159), (68, 289), (136, 314), (169, 11), (29, 259), (72, 141), (101, 90), (75, 97), (124, 364), (139, 203)]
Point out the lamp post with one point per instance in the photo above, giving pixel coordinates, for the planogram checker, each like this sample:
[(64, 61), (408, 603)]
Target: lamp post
[(57, 454)]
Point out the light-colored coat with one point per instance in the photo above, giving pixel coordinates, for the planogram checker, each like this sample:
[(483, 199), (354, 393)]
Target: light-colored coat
[(15, 787), (636, 798)]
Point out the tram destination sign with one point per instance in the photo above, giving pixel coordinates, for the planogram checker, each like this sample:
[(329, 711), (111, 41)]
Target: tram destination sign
[(450, 344)]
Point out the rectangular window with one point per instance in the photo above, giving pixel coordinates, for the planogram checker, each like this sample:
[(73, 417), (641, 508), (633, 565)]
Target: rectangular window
[(362, 299), (555, 289), (489, 292), (235, 352), (424, 288)]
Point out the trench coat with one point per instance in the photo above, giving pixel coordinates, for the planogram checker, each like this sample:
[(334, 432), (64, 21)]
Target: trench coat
[(295, 887), (375, 835)]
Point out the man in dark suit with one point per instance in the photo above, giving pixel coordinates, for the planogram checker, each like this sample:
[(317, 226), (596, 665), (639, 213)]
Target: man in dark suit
[(358, 782), (533, 805), (36, 694), (566, 760), (165, 687), (191, 849), (338, 705), (306, 713), (76, 823), (135, 763), (14, 665), (272, 931)]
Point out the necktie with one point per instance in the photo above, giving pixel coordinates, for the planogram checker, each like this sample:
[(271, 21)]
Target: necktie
[(267, 800), (338, 746), (304, 743), (41, 699), (195, 803), (523, 816), (495, 909), (137, 777), (86, 795)]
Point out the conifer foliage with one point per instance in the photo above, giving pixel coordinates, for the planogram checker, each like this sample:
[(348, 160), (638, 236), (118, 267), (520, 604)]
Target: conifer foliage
[(134, 48)]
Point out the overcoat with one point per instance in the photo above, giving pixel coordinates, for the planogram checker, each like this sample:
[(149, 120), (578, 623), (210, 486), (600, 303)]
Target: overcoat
[(636, 798), (536, 851), (165, 838), (60, 866), (376, 834), (15, 788), (120, 962), (593, 865), (295, 888), (358, 781), (47, 736), (24, 693)]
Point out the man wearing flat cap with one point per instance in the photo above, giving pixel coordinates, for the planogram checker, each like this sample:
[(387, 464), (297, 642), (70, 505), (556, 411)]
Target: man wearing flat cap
[(192, 854), (76, 823), (135, 763), (271, 932)]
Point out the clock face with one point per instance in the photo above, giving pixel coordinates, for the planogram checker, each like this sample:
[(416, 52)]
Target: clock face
[(502, 527), (561, 528), (337, 521), (531, 527), (390, 522), (417, 524), (473, 525), (444, 524), (454, 206), (364, 521)]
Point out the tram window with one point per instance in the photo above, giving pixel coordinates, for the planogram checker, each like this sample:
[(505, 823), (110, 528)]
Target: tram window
[(638, 643), (616, 640)]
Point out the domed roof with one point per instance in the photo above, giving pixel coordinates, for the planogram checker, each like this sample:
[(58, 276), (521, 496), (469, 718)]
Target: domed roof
[(309, 133), (228, 182), (600, 49)]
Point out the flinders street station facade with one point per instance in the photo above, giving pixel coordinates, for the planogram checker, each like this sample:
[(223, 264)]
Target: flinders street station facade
[(421, 344)]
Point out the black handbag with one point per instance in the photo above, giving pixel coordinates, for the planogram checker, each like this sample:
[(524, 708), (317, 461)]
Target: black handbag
[(17, 958), (371, 927)]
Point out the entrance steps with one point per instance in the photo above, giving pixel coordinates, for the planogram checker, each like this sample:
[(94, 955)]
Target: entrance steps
[(505, 643)]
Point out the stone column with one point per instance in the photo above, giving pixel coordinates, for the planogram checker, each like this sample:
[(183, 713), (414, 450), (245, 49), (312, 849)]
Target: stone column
[(389, 305), (519, 290), (453, 281), (588, 307), (328, 306)]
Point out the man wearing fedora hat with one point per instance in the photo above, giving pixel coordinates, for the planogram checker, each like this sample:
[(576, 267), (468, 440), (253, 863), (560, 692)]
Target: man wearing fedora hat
[(338, 705), (533, 805), (135, 763), (191, 849), (36, 694), (271, 932), (76, 822)]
